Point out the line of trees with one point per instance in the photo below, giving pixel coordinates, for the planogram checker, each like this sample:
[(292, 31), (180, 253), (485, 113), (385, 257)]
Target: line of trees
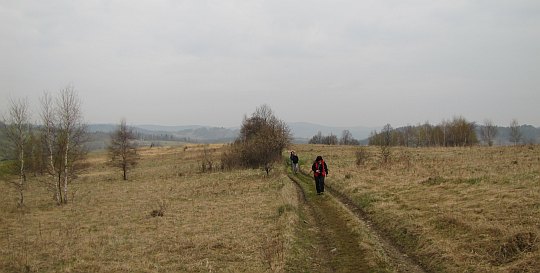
[(346, 139), (457, 132)]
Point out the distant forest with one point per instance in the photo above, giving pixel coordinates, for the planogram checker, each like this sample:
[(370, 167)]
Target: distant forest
[(458, 132)]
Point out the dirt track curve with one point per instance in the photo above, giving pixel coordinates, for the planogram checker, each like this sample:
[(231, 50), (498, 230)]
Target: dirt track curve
[(341, 249)]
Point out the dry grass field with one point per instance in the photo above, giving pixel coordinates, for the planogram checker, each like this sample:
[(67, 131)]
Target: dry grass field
[(453, 209), (239, 221)]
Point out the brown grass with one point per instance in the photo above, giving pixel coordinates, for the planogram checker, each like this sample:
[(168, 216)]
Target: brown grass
[(454, 209), (240, 221)]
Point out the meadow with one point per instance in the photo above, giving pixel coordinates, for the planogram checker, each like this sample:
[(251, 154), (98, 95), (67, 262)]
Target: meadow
[(211, 222), (471, 209), (451, 209)]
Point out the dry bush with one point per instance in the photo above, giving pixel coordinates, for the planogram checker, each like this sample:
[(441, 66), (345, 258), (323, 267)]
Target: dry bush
[(262, 139), (385, 154), (161, 211), (362, 156)]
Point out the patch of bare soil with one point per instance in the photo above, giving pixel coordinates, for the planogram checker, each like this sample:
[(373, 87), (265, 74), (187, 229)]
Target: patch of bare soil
[(337, 248)]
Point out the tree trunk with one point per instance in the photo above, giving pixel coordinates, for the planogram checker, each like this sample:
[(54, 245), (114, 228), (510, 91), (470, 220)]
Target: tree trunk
[(58, 189), (66, 171), (22, 178)]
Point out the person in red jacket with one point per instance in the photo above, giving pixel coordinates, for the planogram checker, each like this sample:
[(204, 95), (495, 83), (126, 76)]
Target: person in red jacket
[(320, 171)]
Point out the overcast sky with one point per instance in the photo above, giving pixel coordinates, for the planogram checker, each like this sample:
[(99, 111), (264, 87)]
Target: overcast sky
[(335, 62)]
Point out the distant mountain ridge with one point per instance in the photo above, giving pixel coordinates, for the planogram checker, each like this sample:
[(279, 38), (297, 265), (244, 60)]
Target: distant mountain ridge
[(306, 130), (301, 131)]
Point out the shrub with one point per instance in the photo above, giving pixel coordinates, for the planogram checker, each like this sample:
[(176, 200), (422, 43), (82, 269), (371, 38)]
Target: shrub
[(262, 139)]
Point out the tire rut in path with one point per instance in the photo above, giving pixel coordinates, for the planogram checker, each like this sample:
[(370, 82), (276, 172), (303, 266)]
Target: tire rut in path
[(343, 251)]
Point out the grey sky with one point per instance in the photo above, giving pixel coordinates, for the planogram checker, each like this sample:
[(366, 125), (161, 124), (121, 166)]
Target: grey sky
[(343, 63)]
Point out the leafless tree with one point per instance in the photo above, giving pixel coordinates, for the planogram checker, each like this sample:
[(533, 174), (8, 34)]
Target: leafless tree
[(348, 139), (49, 127), (330, 140), (488, 132), (515, 132), (461, 132), (18, 132), (123, 149), (317, 139), (64, 134), (386, 142)]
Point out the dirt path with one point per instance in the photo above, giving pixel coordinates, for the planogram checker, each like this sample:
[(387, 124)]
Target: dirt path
[(338, 226)]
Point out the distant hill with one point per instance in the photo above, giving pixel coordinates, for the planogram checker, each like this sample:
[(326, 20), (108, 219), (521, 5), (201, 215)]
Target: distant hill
[(164, 128), (305, 130), (301, 131), (158, 133)]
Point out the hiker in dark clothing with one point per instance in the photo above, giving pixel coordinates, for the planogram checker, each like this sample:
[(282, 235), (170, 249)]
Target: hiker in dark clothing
[(294, 162), (320, 171)]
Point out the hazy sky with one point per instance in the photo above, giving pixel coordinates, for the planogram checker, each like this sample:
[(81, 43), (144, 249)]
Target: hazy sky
[(335, 62)]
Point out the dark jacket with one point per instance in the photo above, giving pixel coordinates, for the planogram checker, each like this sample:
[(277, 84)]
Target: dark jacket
[(294, 158)]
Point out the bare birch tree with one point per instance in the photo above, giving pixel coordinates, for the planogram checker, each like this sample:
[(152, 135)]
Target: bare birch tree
[(18, 131), (123, 149), (48, 119), (515, 132), (488, 132), (64, 134)]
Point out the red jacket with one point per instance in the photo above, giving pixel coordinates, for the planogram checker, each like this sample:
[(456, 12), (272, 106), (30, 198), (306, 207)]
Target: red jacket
[(323, 169)]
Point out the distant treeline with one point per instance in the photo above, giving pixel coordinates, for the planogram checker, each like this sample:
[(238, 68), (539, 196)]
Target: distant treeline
[(457, 132), (346, 139), (160, 137), (452, 133)]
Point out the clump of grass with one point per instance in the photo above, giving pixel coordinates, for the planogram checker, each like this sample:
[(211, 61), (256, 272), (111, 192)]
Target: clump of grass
[(285, 208), (512, 247), (434, 180), (365, 200), (362, 155), (451, 225), (273, 252)]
